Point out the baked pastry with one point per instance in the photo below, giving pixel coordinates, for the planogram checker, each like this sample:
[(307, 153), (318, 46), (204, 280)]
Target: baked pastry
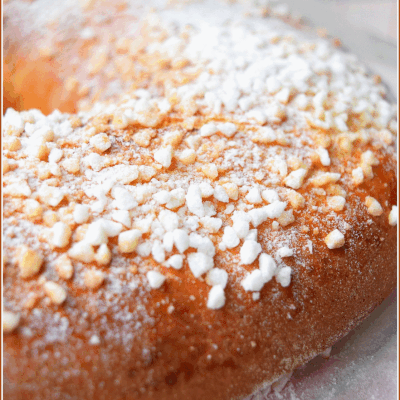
[(229, 216)]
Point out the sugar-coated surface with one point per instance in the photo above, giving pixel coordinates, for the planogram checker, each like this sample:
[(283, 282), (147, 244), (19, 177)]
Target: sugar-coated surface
[(242, 155)]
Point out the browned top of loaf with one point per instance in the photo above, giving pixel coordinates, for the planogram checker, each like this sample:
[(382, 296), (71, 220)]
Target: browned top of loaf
[(84, 320)]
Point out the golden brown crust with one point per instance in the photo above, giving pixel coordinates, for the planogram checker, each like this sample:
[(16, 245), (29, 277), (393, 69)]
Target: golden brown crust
[(87, 325), (331, 296)]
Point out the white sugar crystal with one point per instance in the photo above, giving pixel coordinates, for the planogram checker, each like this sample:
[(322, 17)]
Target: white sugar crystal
[(275, 225), (336, 203), (202, 244), (147, 172), (222, 246), (94, 161), (335, 239), (55, 292), (94, 340), (210, 171), (253, 282), (125, 174), (55, 169), (111, 228), (273, 84), (177, 199), (254, 196), (208, 129), (96, 234), (50, 195), (200, 263), (61, 234), (144, 224), (393, 216), (169, 220), (181, 240), (295, 179), (82, 251), (373, 206), (241, 225), (12, 119), (157, 229), (191, 223), (10, 320), (284, 252), (283, 276), (155, 279), (216, 298), (103, 255), (270, 195), (97, 207), (249, 252), (324, 156), (286, 218), (187, 156), (175, 261), (122, 216), (279, 167), (357, 175), (217, 276), (230, 238), (369, 158), (158, 252), (143, 192), (232, 190), (252, 235), (260, 215), (258, 115), (319, 99), (124, 199), (267, 266), (193, 141), (64, 267), (128, 240), (283, 95), (255, 296), (265, 134), (325, 178), (228, 129), (55, 155), (144, 249), (22, 189), (101, 142), (194, 200), (206, 190), (168, 241), (240, 216), (209, 209), (164, 156), (170, 309), (275, 209), (87, 33), (275, 113), (220, 194), (162, 197), (211, 224)]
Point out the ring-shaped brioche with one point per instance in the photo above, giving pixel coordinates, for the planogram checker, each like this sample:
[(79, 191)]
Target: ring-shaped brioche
[(226, 211)]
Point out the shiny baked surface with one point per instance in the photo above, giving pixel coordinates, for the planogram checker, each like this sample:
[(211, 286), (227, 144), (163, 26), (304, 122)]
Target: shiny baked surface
[(229, 216)]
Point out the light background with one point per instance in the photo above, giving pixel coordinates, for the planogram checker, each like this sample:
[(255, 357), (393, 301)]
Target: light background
[(368, 28)]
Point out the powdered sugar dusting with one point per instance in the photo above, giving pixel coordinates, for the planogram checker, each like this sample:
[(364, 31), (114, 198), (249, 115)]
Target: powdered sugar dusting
[(215, 171)]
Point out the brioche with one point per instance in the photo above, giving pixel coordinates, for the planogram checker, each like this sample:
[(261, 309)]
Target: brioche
[(215, 207)]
